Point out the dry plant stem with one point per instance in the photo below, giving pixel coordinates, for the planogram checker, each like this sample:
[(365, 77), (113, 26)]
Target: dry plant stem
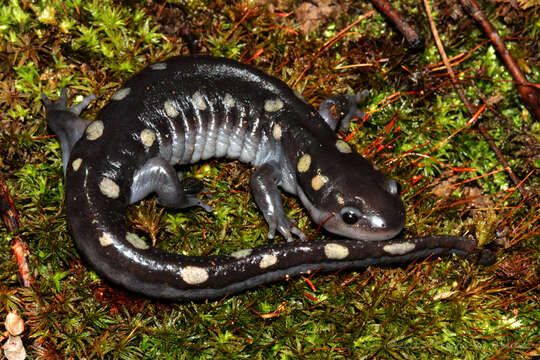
[(529, 95), (416, 42), (471, 109), (12, 221)]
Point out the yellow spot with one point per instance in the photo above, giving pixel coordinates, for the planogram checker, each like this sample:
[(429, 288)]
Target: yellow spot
[(136, 241), (399, 248), (336, 251), (318, 181), (158, 66), (109, 188), (343, 147), (273, 105), (267, 261), (121, 94), (94, 130), (241, 253), (304, 163), (194, 275), (170, 109), (276, 131), (198, 101), (148, 137), (228, 101), (106, 239), (76, 164)]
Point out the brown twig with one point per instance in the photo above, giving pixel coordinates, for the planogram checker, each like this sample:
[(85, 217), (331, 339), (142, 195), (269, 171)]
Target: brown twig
[(416, 42), (13, 223), (471, 108), (529, 95)]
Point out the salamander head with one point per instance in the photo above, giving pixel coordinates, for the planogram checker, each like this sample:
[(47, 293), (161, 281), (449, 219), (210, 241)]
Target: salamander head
[(348, 196)]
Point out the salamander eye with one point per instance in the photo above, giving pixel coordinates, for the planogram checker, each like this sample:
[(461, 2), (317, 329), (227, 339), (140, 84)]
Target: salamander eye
[(350, 215)]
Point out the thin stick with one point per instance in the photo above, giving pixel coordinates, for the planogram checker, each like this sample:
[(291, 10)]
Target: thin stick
[(416, 42), (529, 95), (13, 223)]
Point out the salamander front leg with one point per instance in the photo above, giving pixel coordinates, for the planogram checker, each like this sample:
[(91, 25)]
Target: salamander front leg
[(65, 121), (341, 109), (190, 185), (158, 176), (265, 191)]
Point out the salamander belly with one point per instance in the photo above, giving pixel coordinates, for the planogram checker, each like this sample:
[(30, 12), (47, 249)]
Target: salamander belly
[(200, 126)]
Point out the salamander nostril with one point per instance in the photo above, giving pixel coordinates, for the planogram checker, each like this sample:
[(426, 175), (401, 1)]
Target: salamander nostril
[(376, 222)]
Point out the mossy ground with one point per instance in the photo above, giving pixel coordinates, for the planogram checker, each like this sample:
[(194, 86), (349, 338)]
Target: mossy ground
[(440, 308)]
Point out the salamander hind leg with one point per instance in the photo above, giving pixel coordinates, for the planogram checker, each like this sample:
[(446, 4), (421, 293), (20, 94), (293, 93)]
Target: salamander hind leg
[(158, 176), (265, 191), (341, 109)]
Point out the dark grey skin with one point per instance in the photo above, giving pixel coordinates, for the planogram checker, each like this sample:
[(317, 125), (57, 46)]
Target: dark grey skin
[(188, 109)]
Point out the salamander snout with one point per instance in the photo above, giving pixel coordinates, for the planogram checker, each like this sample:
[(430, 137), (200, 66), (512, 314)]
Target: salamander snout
[(364, 211)]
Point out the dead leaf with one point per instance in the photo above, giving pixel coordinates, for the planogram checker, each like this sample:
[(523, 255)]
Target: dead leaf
[(14, 323), (312, 15), (14, 348), (493, 100), (525, 4), (444, 188), (474, 194)]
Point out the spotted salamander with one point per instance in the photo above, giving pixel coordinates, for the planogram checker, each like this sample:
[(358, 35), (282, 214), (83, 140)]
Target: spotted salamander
[(187, 109)]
